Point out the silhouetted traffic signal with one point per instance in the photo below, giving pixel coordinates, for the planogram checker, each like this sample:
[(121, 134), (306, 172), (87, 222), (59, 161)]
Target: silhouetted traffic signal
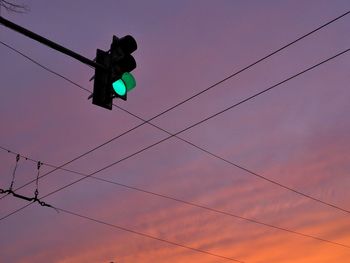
[(122, 63), (115, 81)]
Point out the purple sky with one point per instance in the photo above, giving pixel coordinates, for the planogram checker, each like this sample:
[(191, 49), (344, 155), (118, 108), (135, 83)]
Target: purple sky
[(297, 134)]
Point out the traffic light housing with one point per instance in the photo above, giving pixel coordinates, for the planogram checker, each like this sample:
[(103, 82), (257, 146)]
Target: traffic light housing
[(113, 79), (122, 63)]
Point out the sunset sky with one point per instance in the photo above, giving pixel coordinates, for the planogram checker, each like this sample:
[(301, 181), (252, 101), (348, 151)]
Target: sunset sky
[(200, 198)]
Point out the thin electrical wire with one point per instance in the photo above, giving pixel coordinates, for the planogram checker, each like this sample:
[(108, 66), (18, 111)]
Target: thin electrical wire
[(229, 162), (36, 161), (15, 212), (175, 135), (180, 103), (44, 67), (192, 204), (131, 231), (148, 236), (249, 66), (241, 167)]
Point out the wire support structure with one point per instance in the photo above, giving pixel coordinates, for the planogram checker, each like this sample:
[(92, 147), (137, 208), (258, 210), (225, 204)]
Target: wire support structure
[(10, 190), (175, 199), (136, 233)]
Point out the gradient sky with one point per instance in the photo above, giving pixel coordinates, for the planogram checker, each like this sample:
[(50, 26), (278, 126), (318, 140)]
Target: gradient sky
[(297, 134)]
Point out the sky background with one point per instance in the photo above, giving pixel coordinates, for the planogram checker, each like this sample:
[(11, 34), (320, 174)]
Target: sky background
[(297, 134)]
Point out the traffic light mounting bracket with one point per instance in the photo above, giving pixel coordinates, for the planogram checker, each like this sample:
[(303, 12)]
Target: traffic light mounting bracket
[(102, 93)]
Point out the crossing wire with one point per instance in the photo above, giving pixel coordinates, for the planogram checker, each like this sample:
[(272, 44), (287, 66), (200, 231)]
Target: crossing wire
[(238, 166), (175, 135), (210, 153), (149, 236), (134, 232), (258, 175), (178, 104), (235, 165), (192, 204)]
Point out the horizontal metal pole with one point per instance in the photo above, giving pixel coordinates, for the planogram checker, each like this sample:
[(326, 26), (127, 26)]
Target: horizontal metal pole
[(49, 43)]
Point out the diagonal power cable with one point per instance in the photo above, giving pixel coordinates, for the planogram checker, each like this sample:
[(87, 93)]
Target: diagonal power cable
[(178, 200), (206, 119), (221, 158), (175, 135), (198, 250), (184, 101), (148, 236)]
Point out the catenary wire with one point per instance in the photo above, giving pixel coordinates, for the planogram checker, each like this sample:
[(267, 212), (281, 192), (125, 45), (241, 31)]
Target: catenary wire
[(119, 227), (132, 231), (148, 236), (195, 95), (192, 204), (134, 115), (260, 176), (241, 167), (175, 135), (178, 104), (248, 67), (214, 155), (44, 67)]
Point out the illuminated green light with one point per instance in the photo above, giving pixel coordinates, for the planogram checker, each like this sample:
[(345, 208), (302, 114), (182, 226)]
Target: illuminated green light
[(119, 87), (123, 85)]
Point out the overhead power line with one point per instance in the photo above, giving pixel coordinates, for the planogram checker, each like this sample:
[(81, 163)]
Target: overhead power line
[(178, 104), (182, 102), (204, 150), (235, 165), (44, 67), (148, 236), (249, 66), (188, 203), (182, 139), (174, 135), (133, 232)]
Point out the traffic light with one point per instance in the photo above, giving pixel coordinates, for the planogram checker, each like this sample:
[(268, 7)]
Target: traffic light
[(121, 64), (113, 79)]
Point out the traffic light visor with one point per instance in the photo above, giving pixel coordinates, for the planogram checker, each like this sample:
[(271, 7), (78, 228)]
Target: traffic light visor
[(129, 81), (128, 44), (123, 85)]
